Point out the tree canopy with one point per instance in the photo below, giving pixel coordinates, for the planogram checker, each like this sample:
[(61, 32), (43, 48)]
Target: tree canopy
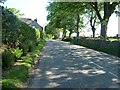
[(71, 15)]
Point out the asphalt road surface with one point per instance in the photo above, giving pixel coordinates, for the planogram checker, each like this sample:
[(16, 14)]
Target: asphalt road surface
[(63, 65)]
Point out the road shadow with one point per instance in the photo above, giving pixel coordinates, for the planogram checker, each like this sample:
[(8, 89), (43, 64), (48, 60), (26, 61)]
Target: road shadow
[(70, 66)]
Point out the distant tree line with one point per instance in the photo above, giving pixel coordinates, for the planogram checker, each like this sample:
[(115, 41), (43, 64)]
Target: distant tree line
[(71, 15)]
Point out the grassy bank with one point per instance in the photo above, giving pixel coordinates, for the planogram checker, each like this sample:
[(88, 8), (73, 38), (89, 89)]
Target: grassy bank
[(16, 76), (110, 46)]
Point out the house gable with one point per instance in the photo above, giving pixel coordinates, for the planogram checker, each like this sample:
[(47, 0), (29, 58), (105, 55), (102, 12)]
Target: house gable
[(32, 23)]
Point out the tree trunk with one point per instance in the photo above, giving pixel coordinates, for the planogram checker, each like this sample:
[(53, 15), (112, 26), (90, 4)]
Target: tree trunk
[(108, 10), (64, 34), (70, 33), (0, 26), (77, 24), (78, 20), (103, 32), (93, 30)]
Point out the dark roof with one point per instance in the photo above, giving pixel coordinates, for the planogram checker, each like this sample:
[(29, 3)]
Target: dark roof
[(29, 21)]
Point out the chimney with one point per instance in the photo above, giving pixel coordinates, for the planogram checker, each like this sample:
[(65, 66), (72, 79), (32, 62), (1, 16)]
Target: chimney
[(35, 20)]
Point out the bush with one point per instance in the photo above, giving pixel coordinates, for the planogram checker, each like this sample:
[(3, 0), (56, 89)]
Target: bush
[(68, 39), (17, 52), (9, 27), (48, 36), (7, 59), (100, 45), (25, 47)]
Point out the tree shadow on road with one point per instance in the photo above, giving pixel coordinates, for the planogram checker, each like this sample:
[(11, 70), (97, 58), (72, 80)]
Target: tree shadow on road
[(71, 66)]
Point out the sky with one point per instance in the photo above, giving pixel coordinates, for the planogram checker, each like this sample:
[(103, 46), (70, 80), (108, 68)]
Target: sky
[(31, 9), (112, 27), (37, 9)]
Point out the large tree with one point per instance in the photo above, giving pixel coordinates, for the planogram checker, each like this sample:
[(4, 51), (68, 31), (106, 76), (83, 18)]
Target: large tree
[(92, 18), (108, 9), (60, 18), (78, 9), (16, 12)]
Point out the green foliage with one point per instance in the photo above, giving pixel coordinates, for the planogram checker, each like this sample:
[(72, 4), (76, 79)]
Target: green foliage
[(38, 34), (19, 73), (9, 28), (108, 9), (42, 34), (7, 59), (15, 77), (16, 35), (8, 83), (25, 47), (28, 37), (100, 45), (68, 39), (63, 15), (48, 36), (17, 52), (20, 39), (16, 12)]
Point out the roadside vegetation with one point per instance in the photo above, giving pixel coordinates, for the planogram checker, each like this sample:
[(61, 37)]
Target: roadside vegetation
[(75, 17), (110, 46), (21, 45)]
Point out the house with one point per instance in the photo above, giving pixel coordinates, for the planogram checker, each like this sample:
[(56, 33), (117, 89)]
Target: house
[(32, 23)]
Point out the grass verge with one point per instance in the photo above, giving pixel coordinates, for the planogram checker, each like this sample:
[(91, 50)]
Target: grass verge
[(16, 76)]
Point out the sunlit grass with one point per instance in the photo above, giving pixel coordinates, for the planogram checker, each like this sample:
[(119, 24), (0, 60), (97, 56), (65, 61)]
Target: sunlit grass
[(113, 39)]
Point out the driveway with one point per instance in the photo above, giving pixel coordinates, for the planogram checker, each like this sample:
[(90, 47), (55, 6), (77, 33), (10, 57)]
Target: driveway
[(63, 65)]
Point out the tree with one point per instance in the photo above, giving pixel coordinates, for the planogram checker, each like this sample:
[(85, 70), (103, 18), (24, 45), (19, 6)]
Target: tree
[(92, 24), (16, 12), (108, 9), (77, 9), (71, 24), (60, 18), (92, 18)]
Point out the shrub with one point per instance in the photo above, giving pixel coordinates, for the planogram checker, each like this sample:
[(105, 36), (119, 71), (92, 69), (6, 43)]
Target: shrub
[(9, 27), (25, 47), (48, 36), (7, 59), (37, 35), (17, 52), (68, 39), (100, 45)]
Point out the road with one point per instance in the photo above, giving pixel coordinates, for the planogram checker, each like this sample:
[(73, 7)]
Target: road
[(63, 65)]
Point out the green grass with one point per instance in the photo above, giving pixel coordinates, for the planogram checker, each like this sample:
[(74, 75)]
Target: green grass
[(108, 38), (113, 39), (17, 75)]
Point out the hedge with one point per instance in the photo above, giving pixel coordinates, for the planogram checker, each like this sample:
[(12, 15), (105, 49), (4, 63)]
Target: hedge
[(18, 36), (110, 47)]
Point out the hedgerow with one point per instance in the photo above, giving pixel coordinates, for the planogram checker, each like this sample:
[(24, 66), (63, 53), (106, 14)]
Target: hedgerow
[(22, 44)]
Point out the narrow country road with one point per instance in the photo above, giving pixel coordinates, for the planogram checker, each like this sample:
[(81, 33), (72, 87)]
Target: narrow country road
[(63, 65)]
